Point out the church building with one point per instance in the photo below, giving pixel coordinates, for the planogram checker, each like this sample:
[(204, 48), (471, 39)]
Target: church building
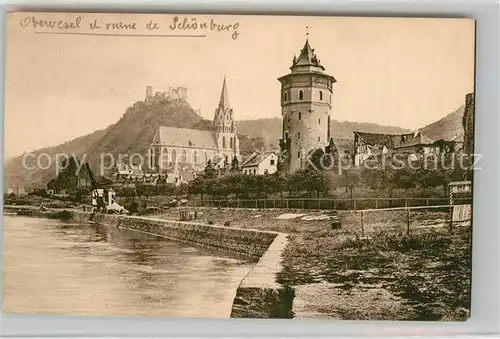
[(306, 97), (176, 148)]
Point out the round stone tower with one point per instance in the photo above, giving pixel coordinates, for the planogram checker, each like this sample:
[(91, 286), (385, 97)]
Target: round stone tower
[(306, 96)]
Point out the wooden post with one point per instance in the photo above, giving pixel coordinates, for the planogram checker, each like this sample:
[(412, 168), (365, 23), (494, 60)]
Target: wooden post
[(362, 224), (427, 202), (256, 203), (406, 203), (376, 203), (354, 204), (407, 221)]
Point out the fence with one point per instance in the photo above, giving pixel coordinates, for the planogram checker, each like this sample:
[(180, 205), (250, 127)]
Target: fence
[(410, 214), (327, 204)]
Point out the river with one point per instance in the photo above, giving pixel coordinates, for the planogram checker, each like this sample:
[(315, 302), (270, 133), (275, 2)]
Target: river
[(51, 267)]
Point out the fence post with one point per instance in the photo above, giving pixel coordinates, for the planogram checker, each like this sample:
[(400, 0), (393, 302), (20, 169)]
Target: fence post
[(407, 221), (354, 204), (256, 203), (265, 203), (302, 203), (274, 203), (406, 203), (362, 224), (376, 203), (318, 204), (427, 202), (286, 203)]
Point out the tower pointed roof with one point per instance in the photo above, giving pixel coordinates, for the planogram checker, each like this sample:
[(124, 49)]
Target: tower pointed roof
[(224, 98), (307, 57)]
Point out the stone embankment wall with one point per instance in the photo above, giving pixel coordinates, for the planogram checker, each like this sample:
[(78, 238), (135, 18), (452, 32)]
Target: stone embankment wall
[(258, 295)]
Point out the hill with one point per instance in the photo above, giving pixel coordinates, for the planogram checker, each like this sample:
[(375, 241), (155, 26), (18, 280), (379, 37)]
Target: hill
[(270, 129), (447, 128), (134, 131)]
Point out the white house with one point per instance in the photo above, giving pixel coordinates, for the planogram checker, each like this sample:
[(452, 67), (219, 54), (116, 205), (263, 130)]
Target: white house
[(260, 163)]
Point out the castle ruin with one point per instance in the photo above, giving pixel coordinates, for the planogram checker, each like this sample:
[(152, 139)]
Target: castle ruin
[(172, 94)]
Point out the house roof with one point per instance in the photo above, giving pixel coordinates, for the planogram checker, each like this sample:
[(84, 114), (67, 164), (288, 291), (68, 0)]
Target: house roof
[(185, 137), (395, 140), (257, 157), (344, 145)]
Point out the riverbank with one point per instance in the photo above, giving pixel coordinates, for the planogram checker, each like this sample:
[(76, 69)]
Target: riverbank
[(259, 294), (383, 274)]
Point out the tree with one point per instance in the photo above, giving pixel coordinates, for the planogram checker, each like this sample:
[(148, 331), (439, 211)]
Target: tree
[(350, 178)]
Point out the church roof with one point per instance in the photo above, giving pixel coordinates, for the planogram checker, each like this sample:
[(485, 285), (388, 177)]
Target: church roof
[(307, 57), (185, 137)]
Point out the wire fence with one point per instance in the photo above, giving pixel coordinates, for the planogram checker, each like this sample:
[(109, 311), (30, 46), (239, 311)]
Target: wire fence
[(327, 204)]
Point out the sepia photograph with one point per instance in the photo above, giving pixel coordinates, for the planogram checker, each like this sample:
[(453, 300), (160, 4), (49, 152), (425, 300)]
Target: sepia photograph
[(238, 166)]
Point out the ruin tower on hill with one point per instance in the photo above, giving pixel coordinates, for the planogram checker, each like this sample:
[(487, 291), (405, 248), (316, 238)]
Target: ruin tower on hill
[(306, 97)]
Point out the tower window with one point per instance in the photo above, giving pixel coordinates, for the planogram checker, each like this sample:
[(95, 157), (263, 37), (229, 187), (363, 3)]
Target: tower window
[(320, 96), (300, 115), (223, 142), (319, 139), (301, 95), (231, 143), (286, 135), (285, 97), (319, 121), (298, 135), (298, 155)]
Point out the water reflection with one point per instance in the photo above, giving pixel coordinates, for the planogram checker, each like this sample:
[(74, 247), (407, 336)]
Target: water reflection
[(54, 267)]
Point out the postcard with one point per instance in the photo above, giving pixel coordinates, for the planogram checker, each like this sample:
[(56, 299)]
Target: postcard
[(238, 166)]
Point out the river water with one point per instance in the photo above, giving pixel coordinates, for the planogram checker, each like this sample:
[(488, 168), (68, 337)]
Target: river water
[(51, 267)]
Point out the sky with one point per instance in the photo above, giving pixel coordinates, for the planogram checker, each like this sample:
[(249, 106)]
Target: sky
[(406, 72)]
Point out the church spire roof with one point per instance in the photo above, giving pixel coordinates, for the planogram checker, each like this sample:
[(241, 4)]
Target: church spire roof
[(224, 98), (307, 57)]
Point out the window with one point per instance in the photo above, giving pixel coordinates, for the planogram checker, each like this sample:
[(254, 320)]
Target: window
[(286, 135), (272, 161), (298, 155), (206, 157), (195, 157), (231, 142), (300, 115), (301, 95), (319, 121), (254, 171), (266, 171), (174, 156), (285, 96), (320, 96), (224, 142), (319, 139), (184, 156), (298, 135)]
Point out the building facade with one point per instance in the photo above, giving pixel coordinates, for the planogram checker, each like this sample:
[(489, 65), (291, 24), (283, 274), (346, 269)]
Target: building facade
[(468, 123), (260, 163), (306, 97), (182, 149)]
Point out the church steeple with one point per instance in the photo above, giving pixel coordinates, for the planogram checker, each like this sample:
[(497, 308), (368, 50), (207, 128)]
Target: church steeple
[(223, 119), (224, 97)]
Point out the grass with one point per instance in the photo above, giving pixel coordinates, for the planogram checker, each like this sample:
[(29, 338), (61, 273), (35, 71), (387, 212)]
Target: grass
[(388, 274)]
